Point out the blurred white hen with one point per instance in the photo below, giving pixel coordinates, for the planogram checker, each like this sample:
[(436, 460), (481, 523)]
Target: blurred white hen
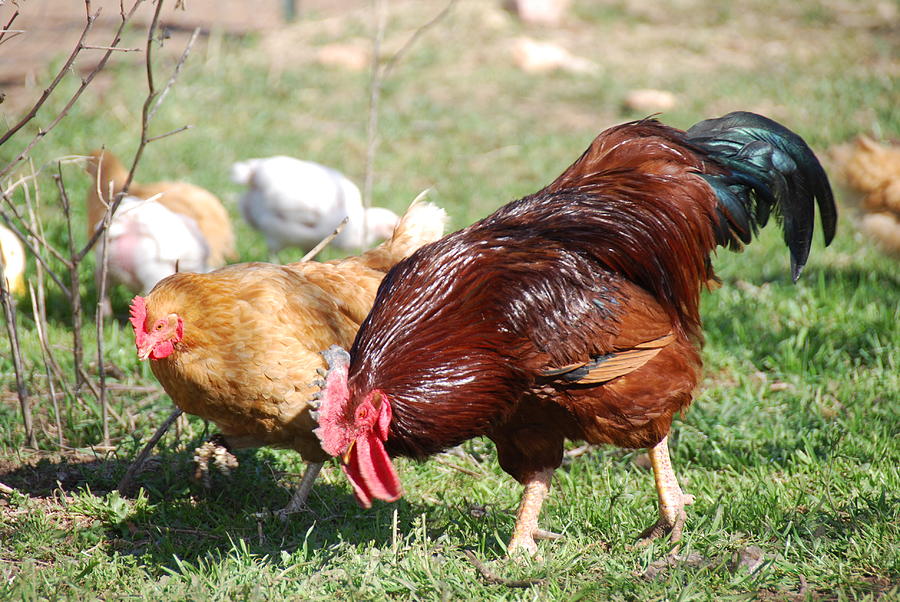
[(297, 203), (147, 242)]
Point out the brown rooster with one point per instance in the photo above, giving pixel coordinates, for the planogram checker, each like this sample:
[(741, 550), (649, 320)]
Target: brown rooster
[(185, 199), (240, 346), (569, 314)]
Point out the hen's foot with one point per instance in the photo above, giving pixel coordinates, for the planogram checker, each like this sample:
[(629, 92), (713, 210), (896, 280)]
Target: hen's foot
[(671, 499)]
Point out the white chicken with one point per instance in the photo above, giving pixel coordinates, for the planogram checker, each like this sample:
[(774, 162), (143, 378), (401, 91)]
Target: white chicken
[(297, 203), (12, 255), (148, 242)]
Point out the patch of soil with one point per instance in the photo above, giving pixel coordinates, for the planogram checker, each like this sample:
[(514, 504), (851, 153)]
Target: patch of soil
[(39, 474), (46, 31)]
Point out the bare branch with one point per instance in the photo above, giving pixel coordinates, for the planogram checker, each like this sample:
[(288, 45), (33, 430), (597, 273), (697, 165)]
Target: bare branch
[(324, 242), (175, 73), (84, 84), (6, 28), (146, 114), (379, 74), (31, 248), (98, 320), (167, 134), (125, 484), (74, 281), (40, 317), (392, 62), (113, 48), (375, 86), (59, 76), (9, 312)]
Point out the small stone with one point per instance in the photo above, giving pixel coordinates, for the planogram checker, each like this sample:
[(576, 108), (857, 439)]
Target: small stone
[(648, 100)]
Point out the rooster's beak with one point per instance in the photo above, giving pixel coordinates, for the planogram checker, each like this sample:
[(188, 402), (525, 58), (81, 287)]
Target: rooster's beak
[(144, 353), (346, 457)]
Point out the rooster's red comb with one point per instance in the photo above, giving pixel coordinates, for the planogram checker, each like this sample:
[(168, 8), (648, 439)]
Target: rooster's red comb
[(332, 405)]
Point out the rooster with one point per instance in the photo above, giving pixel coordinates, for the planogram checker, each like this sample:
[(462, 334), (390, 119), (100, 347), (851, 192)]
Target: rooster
[(572, 313), (297, 203), (240, 346)]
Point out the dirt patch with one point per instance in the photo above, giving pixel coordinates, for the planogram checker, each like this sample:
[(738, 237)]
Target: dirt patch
[(46, 31), (39, 474)]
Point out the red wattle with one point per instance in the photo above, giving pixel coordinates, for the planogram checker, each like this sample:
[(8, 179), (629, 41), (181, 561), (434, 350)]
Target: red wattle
[(351, 469), (371, 472)]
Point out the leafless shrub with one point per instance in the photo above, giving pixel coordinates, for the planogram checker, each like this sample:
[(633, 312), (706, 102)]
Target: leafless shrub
[(79, 387)]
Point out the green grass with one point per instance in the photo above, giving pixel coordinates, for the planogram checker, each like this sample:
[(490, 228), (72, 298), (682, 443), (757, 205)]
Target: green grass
[(791, 445)]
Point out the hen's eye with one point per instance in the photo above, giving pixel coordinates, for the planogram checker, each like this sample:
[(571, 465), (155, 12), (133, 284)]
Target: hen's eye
[(159, 326)]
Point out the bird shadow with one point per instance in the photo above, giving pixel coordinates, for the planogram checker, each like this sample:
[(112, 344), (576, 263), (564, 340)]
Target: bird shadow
[(174, 518)]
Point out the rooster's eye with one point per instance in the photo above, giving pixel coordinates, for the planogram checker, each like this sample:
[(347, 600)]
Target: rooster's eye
[(159, 326)]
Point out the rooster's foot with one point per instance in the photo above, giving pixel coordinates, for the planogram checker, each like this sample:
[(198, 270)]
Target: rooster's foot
[(525, 545), (671, 499), (298, 501), (669, 523), (526, 530)]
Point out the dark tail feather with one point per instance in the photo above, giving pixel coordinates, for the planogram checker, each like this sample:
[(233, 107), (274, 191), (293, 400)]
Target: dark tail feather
[(768, 167)]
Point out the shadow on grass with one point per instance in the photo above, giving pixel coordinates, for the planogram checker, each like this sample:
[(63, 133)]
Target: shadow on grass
[(182, 520)]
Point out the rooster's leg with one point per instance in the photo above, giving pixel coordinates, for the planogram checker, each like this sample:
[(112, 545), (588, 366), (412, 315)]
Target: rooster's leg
[(299, 500), (671, 499), (526, 530)]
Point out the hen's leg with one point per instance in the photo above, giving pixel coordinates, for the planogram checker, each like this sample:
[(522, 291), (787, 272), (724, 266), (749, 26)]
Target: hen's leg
[(298, 501), (526, 530), (671, 499)]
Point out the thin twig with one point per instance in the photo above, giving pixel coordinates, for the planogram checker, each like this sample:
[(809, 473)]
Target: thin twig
[(146, 115), (392, 62), (49, 89), (167, 134), (379, 74), (98, 320), (491, 577), (75, 96), (9, 312), (96, 392), (175, 73), (40, 317), (113, 48), (324, 242), (124, 486), (6, 28), (39, 301), (186, 531), (6, 489), (33, 250), (74, 281), (459, 468), (375, 86)]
